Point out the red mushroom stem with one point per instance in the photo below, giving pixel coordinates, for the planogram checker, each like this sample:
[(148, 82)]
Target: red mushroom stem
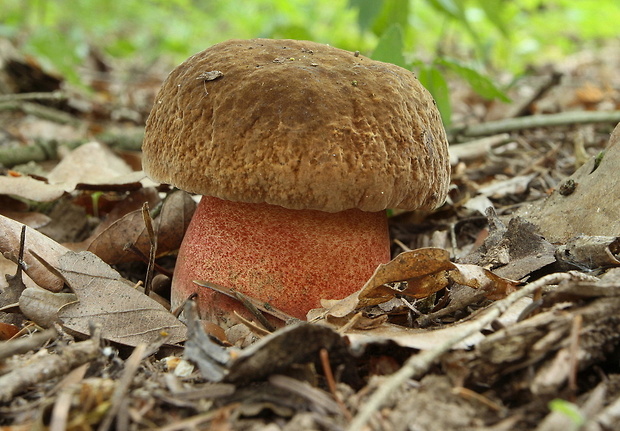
[(290, 259)]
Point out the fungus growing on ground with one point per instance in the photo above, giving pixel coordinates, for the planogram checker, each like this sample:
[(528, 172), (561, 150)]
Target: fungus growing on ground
[(298, 148)]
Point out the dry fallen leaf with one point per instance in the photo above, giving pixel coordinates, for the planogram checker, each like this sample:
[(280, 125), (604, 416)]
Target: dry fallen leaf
[(590, 207), (29, 188), (42, 306), (426, 271), (126, 315), (91, 163), (590, 252), (130, 230)]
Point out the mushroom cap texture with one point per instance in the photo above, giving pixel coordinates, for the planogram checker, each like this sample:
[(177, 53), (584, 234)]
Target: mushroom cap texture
[(298, 124)]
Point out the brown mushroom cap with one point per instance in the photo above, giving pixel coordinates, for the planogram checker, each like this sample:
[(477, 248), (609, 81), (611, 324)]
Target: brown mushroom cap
[(300, 125)]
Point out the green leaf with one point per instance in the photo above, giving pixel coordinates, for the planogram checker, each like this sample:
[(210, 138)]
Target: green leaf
[(447, 7), (393, 12), (569, 410), (390, 47), (493, 11), (367, 11), (291, 31), (434, 81), (480, 83)]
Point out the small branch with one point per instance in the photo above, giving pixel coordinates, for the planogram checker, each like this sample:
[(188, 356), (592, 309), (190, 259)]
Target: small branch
[(22, 345), (40, 111), (48, 367), (533, 121), (477, 148), (44, 150), (19, 97)]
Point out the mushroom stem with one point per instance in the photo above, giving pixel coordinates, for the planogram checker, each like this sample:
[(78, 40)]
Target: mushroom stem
[(290, 259)]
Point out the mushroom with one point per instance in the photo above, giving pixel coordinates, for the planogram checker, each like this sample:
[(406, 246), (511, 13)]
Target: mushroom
[(298, 148)]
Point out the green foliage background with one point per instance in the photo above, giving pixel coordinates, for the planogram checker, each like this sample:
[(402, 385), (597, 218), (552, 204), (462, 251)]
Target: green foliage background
[(439, 39)]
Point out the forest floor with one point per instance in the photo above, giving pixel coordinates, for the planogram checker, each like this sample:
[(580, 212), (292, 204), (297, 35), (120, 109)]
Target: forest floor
[(502, 311)]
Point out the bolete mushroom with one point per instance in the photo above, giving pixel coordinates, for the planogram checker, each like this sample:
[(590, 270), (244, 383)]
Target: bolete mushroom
[(298, 148)]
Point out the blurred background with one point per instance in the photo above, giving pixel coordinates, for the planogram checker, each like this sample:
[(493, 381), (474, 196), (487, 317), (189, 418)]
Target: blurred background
[(488, 45)]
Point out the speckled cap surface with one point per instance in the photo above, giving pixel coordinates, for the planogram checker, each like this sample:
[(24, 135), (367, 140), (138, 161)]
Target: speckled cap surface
[(300, 125)]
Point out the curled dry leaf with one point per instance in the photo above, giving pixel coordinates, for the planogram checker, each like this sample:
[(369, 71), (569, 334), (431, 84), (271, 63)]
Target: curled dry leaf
[(426, 271), (48, 249), (126, 315), (176, 213)]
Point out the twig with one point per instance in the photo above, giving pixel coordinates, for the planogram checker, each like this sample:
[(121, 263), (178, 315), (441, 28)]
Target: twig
[(574, 353), (477, 148), (250, 303), (607, 419), (321, 401), (131, 367), (420, 363), (48, 367), (533, 121), (331, 383), (40, 111), (22, 345), (469, 394), (43, 149), (18, 97), (39, 152)]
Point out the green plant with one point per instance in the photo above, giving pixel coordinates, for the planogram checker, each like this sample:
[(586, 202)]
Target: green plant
[(569, 410), (389, 20), (440, 39)]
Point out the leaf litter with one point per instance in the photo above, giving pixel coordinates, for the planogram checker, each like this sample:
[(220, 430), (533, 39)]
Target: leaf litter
[(496, 306)]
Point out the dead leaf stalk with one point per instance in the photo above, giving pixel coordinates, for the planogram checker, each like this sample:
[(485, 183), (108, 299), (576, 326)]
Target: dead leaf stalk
[(574, 353), (331, 383), (152, 249)]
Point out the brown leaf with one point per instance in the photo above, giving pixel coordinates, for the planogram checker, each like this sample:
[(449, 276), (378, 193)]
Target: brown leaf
[(126, 315), (7, 331), (592, 208), (42, 306), (111, 245), (175, 216), (35, 220), (494, 286), (426, 271)]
